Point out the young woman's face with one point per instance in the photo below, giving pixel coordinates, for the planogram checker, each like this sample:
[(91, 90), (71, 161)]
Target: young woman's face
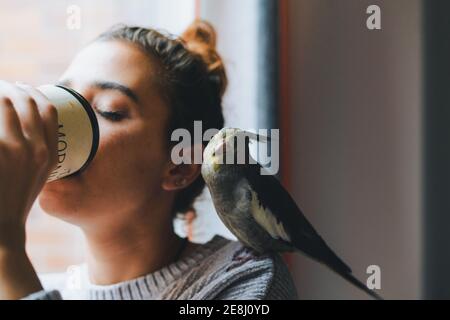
[(128, 172)]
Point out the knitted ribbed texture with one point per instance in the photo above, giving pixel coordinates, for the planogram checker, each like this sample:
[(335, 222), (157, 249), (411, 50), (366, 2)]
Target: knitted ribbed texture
[(219, 269)]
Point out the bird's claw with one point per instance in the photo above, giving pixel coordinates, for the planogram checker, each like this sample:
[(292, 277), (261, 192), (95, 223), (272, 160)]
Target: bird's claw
[(243, 255)]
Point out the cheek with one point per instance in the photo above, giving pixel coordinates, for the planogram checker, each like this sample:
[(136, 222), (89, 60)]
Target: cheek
[(126, 170), (129, 157)]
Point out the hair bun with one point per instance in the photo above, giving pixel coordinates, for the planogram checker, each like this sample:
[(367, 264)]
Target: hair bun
[(200, 32), (200, 38)]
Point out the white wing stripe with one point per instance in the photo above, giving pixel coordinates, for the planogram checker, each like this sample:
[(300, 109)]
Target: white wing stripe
[(267, 220)]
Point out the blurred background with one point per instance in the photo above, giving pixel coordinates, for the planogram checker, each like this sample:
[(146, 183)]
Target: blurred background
[(348, 101)]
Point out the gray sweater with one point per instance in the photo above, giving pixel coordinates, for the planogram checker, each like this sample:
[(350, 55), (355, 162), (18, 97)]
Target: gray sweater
[(219, 269)]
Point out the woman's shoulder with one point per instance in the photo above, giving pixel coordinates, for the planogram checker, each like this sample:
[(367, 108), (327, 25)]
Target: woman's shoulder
[(219, 269), (237, 272)]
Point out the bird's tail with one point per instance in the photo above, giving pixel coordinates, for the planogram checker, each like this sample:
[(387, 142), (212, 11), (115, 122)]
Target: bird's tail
[(335, 263), (351, 278)]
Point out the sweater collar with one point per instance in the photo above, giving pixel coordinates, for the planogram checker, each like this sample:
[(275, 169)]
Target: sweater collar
[(151, 285)]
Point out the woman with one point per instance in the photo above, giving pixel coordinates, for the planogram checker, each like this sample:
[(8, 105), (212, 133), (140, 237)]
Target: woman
[(142, 85)]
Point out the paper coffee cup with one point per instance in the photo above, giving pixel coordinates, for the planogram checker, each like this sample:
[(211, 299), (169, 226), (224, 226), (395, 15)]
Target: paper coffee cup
[(78, 133)]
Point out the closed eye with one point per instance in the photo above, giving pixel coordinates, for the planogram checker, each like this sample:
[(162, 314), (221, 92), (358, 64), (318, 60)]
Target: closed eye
[(112, 115)]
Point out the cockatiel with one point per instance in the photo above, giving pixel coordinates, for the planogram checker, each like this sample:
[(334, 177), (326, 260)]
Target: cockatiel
[(257, 209)]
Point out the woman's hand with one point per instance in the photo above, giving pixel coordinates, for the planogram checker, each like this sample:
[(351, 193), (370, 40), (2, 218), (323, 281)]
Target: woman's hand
[(28, 153)]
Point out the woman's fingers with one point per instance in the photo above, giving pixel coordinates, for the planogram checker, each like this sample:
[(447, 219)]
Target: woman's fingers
[(10, 128), (49, 118), (35, 122), (28, 113), (28, 130)]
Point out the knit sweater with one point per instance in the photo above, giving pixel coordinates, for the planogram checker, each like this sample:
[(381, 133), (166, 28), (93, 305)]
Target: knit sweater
[(219, 269)]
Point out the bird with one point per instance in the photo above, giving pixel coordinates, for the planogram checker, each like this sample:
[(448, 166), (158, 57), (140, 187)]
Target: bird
[(257, 209)]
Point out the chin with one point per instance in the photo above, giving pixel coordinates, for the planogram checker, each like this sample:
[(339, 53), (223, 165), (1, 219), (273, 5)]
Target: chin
[(62, 198)]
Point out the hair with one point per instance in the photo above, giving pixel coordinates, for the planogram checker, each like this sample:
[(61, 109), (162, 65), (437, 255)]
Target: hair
[(192, 80)]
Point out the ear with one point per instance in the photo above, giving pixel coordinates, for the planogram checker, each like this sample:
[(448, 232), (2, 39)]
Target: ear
[(180, 176)]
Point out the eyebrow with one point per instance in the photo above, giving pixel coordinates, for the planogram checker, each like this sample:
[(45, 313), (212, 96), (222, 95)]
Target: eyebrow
[(108, 85)]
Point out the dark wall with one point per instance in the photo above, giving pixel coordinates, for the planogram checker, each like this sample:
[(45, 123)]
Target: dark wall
[(356, 101)]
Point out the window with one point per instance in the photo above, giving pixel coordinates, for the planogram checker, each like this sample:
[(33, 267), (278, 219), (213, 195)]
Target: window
[(37, 44)]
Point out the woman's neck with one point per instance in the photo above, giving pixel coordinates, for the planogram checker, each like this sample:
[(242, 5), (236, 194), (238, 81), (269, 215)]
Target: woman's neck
[(130, 250)]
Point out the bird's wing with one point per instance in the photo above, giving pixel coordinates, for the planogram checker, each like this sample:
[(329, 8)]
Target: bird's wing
[(276, 211), (267, 219), (273, 205)]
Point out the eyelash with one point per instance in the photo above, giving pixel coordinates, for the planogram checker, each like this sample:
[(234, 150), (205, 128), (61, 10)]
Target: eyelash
[(112, 116)]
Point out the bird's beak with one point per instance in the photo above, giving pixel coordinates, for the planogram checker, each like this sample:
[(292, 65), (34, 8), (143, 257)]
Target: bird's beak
[(219, 149)]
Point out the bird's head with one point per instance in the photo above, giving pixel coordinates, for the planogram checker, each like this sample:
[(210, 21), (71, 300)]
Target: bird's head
[(227, 150), (219, 147)]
